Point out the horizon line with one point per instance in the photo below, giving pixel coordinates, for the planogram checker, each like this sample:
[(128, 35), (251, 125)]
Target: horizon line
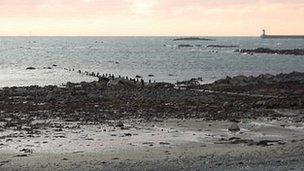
[(126, 36)]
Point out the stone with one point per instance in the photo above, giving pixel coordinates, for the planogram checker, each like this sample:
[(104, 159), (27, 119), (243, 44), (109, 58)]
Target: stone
[(27, 150), (21, 155), (184, 45), (272, 51), (234, 127), (120, 124), (30, 68), (128, 134), (222, 46), (226, 104), (193, 39), (164, 143)]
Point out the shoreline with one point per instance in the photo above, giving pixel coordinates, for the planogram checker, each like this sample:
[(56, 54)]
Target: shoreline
[(172, 144), (235, 123), (124, 98)]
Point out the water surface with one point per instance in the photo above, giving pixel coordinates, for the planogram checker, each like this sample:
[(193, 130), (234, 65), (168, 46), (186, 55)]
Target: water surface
[(131, 56)]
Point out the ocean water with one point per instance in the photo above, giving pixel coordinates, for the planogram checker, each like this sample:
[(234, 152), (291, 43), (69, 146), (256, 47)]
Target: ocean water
[(131, 56)]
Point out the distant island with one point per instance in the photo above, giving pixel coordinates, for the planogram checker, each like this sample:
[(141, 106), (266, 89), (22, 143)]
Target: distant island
[(192, 39), (265, 36), (272, 51), (222, 46)]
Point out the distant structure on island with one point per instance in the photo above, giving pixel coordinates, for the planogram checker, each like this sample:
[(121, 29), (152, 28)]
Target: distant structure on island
[(265, 36)]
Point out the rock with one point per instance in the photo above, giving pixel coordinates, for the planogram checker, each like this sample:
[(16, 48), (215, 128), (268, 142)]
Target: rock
[(120, 124), (103, 79), (264, 142), (222, 46), (58, 129), (234, 127), (164, 143), (163, 85), (150, 75), (30, 68), (191, 82), (4, 162), (234, 138), (192, 39), (148, 143), (184, 45), (138, 76), (226, 104), (27, 150), (260, 103), (272, 51), (122, 83), (128, 134), (21, 155)]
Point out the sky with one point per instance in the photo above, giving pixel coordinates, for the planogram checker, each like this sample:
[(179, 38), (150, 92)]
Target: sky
[(150, 17)]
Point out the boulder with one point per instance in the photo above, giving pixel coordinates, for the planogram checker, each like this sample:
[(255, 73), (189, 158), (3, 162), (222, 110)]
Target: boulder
[(234, 127), (226, 105), (119, 124), (30, 68), (222, 46), (122, 83), (193, 39), (184, 45)]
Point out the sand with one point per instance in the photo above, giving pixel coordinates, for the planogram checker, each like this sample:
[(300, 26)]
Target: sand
[(171, 144)]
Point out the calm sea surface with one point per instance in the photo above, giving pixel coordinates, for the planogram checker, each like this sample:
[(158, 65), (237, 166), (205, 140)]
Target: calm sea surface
[(131, 56)]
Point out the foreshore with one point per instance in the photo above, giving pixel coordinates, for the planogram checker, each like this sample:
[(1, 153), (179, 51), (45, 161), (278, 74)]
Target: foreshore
[(236, 123)]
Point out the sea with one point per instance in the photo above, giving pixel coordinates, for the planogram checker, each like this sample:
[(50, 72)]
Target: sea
[(57, 59)]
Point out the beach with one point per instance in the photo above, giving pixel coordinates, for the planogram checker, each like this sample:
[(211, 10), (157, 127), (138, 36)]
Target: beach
[(236, 123), (151, 85), (163, 145)]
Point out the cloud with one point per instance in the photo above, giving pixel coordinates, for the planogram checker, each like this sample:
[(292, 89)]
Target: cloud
[(62, 8), (143, 6)]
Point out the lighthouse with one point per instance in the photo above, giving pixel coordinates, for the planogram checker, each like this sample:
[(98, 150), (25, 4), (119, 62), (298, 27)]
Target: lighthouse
[(264, 32), (264, 36)]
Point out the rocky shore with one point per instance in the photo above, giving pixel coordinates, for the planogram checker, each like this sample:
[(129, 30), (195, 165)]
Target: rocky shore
[(272, 51), (117, 98), (193, 39), (118, 123), (222, 46)]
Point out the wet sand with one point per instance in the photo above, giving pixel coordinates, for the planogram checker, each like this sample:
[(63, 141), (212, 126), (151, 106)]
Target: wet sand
[(238, 123), (173, 144)]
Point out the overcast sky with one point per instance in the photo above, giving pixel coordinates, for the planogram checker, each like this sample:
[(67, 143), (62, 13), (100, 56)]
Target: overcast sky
[(151, 17)]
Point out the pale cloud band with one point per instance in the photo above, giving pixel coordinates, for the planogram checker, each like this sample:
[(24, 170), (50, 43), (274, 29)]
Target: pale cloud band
[(150, 17)]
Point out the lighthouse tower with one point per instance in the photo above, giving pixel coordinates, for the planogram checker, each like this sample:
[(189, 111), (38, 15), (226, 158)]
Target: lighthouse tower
[(263, 34)]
